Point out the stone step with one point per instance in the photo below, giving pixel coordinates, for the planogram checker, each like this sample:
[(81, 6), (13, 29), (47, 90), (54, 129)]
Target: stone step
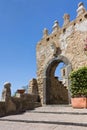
[(37, 104)]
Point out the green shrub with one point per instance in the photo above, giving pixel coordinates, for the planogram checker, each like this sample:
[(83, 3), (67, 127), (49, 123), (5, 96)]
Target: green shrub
[(78, 80)]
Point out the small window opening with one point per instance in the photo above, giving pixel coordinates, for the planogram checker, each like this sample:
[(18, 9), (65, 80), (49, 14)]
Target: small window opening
[(47, 39), (85, 16), (74, 24), (64, 30), (80, 20), (63, 72)]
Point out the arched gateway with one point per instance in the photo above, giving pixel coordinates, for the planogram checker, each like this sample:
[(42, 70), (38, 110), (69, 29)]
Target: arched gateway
[(68, 45), (54, 91)]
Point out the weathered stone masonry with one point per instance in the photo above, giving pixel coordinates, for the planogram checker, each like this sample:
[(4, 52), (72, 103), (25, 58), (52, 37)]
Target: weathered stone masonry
[(66, 45)]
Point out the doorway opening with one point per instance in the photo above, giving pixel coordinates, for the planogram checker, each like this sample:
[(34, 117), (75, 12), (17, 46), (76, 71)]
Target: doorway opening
[(56, 91)]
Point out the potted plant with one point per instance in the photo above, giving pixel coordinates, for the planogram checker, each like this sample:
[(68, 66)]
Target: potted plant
[(78, 88)]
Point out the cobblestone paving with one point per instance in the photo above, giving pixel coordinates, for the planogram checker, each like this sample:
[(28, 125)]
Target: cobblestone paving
[(54, 117)]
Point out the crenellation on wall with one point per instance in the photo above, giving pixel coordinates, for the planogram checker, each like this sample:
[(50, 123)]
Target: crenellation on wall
[(66, 18), (45, 33), (55, 27), (78, 20), (81, 9)]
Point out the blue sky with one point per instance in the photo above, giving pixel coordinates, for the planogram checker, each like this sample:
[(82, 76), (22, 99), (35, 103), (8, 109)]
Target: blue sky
[(21, 26)]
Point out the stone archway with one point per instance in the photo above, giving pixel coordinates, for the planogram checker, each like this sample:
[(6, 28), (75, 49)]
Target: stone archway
[(59, 46), (54, 90)]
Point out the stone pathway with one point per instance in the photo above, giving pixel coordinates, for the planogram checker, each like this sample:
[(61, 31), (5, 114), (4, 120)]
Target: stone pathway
[(55, 117)]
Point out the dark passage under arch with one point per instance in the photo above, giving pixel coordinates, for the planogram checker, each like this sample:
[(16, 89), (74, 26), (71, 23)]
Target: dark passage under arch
[(54, 90)]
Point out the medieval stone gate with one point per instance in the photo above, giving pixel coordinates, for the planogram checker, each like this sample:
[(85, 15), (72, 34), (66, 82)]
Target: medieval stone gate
[(54, 91), (65, 45)]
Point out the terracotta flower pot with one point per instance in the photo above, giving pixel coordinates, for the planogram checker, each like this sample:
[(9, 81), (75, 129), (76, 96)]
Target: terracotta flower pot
[(79, 102), (21, 91)]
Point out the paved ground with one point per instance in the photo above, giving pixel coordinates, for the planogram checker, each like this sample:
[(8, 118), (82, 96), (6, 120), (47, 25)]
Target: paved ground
[(47, 118)]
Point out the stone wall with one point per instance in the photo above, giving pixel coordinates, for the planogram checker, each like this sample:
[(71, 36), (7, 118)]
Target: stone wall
[(33, 89), (14, 105), (2, 109), (67, 42), (17, 105), (58, 93), (25, 102), (33, 86)]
